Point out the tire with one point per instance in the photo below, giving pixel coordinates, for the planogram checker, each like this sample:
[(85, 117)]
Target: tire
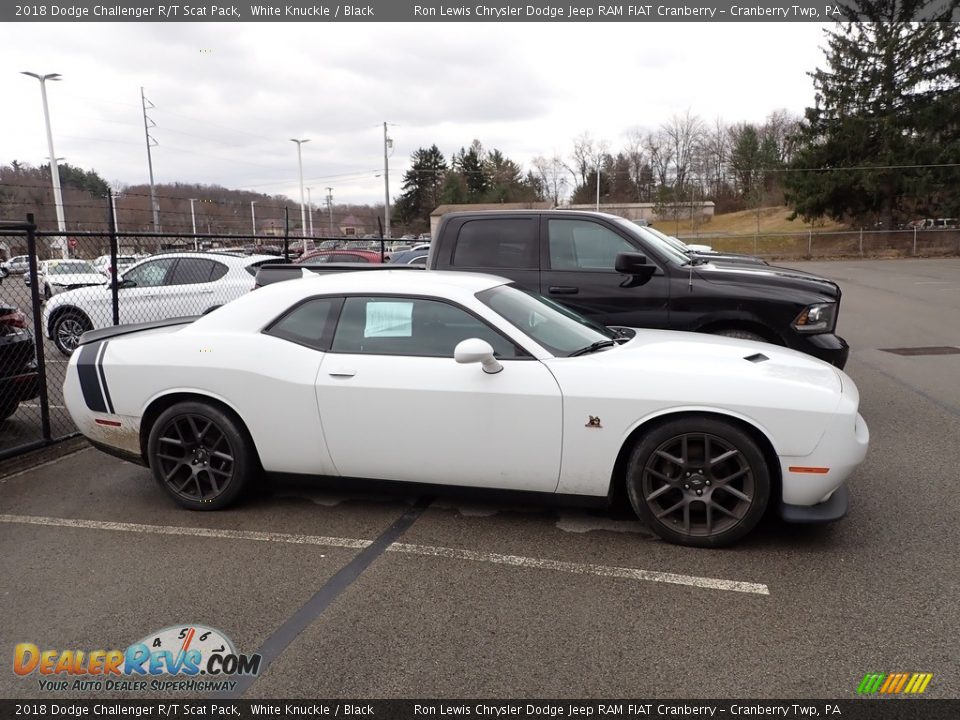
[(201, 456), (698, 481), (8, 408), (742, 334), (67, 329)]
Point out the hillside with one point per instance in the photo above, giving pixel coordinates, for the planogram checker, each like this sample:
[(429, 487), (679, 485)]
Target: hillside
[(773, 220)]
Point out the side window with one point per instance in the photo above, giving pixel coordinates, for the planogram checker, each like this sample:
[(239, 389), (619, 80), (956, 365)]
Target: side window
[(498, 243), (307, 324), (584, 245), (218, 271), (191, 271), (150, 274), (412, 327)]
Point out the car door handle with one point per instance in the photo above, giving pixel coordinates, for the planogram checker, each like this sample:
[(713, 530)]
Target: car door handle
[(563, 290), (343, 372)]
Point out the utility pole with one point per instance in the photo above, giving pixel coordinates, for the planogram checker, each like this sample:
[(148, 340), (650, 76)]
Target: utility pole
[(330, 209), (193, 219), (147, 124), (253, 216), (598, 186), (54, 170), (387, 144), (310, 211), (303, 213)]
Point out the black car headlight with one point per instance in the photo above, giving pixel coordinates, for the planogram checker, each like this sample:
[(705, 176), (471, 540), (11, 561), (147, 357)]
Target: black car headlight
[(818, 318)]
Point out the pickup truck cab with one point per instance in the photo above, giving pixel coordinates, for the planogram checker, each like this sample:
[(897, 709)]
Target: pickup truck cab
[(618, 274)]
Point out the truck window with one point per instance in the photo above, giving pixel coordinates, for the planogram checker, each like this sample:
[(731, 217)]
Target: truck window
[(497, 243), (584, 245)]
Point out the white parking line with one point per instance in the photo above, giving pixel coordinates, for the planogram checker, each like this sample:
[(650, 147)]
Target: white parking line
[(408, 549), (35, 405)]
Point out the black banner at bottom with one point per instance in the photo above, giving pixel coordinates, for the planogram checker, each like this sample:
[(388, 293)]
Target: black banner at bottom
[(861, 709)]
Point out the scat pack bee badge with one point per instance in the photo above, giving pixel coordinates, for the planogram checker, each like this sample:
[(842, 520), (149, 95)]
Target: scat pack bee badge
[(173, 658)]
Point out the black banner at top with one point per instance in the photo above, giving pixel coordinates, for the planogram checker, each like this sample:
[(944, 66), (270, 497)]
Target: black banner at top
[(462, 11)]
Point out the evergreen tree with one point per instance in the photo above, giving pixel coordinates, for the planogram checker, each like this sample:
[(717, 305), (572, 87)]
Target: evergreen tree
[(888, 98), (422, 187)]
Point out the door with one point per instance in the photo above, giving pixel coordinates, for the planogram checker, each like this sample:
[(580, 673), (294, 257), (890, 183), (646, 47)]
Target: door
[(395, 405), (578, 271), (139, 298), (189, 289)]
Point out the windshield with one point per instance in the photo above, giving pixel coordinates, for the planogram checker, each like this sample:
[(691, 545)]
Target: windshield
[(559, 330), (678, 244), (70, 268), (664, 248)]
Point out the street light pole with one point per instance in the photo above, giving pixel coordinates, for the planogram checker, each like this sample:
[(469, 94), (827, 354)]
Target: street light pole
[(303, 212), (54, 170), (193, 219), (253, 216)]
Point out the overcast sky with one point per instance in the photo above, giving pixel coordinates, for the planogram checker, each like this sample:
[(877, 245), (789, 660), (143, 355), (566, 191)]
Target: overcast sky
[(229, 96)]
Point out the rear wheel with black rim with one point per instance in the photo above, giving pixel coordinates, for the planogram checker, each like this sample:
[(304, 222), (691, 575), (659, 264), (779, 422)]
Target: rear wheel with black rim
[(200, 455), (698, 481)]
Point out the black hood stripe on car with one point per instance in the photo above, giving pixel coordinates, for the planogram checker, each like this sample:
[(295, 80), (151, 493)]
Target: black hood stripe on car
[(93, 383)]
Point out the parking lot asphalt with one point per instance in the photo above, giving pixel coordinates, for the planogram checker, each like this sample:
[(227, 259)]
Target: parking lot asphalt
[(493, 597)]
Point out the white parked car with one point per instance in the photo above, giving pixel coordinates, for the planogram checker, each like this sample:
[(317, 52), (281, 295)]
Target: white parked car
[(124, 263), (515, 392), (58, 276), (17, 264), (162, 286)]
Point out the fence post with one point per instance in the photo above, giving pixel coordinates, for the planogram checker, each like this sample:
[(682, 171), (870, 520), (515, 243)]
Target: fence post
[(38, 333), (914, 241), (114, 286), (755, 243), (861, 242), (286, 233), (810, 243)]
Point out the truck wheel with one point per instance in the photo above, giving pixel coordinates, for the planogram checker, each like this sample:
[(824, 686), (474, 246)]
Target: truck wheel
[(7, 408), (698, 481)]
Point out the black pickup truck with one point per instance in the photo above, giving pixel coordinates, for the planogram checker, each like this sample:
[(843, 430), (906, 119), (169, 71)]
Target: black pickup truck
[(618, 274)]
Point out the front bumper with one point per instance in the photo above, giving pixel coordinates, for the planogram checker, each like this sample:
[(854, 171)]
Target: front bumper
[(825, 346), (828, 511)]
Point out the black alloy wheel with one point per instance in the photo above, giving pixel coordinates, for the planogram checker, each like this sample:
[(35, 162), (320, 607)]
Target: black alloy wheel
[(200, 455), (699, 481)]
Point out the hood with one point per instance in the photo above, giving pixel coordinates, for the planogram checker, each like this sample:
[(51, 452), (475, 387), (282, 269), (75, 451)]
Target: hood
[(768, 275), (76, 279)]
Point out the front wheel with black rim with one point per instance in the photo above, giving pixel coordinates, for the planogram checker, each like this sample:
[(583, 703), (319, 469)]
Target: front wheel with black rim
[(200, 455), (698, 481), (67, 329)]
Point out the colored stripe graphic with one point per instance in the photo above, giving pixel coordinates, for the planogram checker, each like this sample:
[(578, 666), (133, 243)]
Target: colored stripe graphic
[(894, 683)]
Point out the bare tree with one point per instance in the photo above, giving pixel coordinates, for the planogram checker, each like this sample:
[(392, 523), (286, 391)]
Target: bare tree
[(661, 156), (684, 134), (552, 174)]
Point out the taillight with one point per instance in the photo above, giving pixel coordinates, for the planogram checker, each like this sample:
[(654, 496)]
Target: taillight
[(14, 318)]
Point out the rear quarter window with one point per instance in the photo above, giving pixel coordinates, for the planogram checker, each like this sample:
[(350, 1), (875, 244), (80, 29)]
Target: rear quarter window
[(498, 243)]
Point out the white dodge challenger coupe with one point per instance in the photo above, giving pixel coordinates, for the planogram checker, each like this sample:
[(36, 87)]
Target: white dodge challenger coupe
[(316, 376)]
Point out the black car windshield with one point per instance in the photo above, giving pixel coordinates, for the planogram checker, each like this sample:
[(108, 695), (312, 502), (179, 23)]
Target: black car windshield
[(663, 248), (559, 330)]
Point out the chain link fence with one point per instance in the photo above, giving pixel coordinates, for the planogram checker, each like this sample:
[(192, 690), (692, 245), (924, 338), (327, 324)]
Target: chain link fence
[(832, 245)]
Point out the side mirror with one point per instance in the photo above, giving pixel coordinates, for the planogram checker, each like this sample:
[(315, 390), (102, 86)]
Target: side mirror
[(475, 350), (630, 263)]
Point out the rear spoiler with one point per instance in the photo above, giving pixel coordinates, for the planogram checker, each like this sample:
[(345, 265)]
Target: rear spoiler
[(117, 330)]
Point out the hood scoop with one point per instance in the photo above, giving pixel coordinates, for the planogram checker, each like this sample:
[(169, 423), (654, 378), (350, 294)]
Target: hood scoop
[(756, 357)]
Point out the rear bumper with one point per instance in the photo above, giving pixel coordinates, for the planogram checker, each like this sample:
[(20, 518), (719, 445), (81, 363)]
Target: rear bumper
[(827, 347), (22, 386)]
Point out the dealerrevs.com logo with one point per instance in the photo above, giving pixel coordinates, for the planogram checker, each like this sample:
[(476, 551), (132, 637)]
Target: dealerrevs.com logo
[(187, 657)]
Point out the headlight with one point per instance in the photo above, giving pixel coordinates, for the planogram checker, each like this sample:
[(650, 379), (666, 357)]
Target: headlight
[(818, 318)]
